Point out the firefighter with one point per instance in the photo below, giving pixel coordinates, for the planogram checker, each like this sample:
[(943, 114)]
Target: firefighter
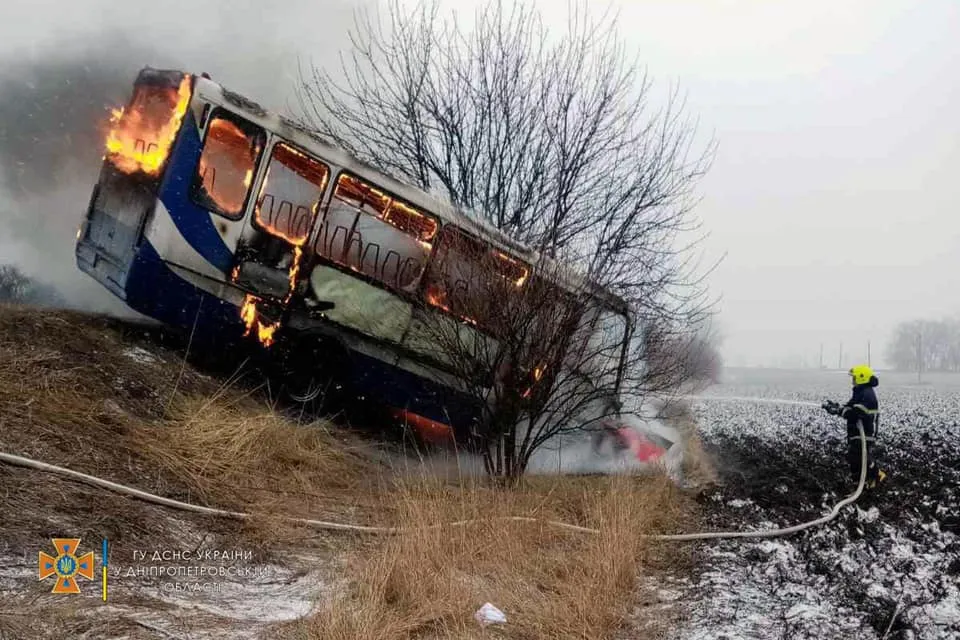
[(862, 408)]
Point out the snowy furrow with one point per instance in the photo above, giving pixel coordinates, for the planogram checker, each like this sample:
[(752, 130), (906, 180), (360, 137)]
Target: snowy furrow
[(888, 568)]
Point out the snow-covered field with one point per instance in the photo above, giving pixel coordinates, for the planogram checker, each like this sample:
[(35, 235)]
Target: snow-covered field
[(888, 568)]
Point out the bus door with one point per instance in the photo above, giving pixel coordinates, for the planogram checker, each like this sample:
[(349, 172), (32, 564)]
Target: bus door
[(271, 249), (209, 200), (137, 147)]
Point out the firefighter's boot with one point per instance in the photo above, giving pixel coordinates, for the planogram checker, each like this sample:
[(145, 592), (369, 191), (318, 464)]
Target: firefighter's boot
[(876, 482)]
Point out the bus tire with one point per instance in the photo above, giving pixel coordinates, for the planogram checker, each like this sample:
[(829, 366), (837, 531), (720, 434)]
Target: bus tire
[(314, 373)]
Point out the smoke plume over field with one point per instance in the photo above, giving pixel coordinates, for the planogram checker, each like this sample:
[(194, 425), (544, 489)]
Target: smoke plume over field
[(64, 65)]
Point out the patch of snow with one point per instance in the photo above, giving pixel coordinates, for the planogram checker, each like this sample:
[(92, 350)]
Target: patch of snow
[(870, 515), (14, 571), (668, 595), (141, 355), (945, 613), (802, 610), (272, 594)]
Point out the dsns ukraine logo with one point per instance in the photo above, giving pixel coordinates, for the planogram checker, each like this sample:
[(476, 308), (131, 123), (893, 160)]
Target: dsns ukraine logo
[(66, 566)]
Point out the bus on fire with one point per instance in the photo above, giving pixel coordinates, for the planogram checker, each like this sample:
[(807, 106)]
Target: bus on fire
[(215, 216)]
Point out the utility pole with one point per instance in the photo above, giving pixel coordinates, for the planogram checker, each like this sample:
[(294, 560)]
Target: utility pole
[(821, 355), (840, 358), (869, 360), (919, 356)]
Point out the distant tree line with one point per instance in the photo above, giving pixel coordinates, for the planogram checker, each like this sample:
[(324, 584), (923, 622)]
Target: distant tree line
[(17, 287), (926, 345), (673, 360)]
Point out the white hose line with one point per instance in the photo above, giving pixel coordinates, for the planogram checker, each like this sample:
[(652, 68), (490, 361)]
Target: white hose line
[(775, 533), (741, 399), (29, 463)]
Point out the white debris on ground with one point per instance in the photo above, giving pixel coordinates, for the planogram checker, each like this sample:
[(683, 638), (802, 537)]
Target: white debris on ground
[(573, 453), (489, 614), (887, 568), (238, 599), (141, 355), (579, 453), (271, 594)]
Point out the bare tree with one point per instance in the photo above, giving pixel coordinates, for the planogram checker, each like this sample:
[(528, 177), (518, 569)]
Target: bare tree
[(542, 349), (675, 358), (14, 286), (18, 288), (552, 140), (926, 345)]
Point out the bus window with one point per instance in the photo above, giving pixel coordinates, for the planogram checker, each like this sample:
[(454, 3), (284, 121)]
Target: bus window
[(290, 193), (227, 164), (361, 196), (375, 234), (468, 278)]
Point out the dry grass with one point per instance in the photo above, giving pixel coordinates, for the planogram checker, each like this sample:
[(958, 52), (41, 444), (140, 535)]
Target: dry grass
[(697, 469), (69, 396), (549, 582), (237, 452), (73, 394)]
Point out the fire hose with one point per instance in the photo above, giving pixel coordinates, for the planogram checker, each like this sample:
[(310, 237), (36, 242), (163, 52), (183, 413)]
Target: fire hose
[(29, 463)]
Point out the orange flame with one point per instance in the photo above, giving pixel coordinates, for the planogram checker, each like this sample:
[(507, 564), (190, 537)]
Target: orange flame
[(437, 297), (537, 374), (515, 266), (315, 172), (251, 318), (265, 333), (294, 270), (140, 139), (248, 311)]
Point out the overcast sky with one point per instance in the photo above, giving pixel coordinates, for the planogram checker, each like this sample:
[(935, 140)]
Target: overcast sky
[(835, 189), (834, 192)]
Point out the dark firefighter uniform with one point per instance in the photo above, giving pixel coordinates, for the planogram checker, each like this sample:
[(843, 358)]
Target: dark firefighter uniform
[(862, 408)]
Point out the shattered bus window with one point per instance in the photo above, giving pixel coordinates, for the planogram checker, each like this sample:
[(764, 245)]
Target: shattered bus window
[(227, 164), (471, 280), (290, 194), (372, 233), (143, 131)]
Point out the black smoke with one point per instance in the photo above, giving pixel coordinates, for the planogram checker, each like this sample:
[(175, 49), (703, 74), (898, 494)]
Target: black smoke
[(55, 101), (53, 114)]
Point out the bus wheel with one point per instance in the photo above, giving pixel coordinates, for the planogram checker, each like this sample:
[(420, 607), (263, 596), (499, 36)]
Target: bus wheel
[(311, 375)]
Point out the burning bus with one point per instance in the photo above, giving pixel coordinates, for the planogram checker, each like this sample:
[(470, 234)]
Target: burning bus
[(215, 216)]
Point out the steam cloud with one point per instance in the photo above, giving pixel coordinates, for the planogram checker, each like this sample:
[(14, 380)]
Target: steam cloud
[(54, 104)]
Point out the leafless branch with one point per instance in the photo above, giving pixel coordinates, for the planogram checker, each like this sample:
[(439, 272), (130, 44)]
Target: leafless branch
[(554, 140)]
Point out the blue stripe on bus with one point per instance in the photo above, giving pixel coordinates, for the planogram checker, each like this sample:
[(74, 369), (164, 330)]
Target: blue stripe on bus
[(402, 389), (192, 220), (156, 291)]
